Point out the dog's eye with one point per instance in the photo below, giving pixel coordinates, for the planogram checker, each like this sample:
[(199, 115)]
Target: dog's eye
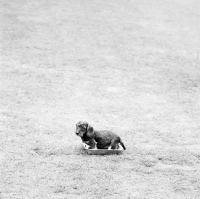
[(83, 128)]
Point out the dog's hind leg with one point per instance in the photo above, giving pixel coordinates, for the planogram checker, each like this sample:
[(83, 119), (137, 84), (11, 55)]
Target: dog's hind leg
[(114, 143)]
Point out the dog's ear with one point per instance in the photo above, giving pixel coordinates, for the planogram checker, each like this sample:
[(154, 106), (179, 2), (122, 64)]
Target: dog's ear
[(90, 131)]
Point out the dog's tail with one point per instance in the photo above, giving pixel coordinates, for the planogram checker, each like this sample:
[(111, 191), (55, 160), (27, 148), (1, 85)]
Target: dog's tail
[(122, 144)]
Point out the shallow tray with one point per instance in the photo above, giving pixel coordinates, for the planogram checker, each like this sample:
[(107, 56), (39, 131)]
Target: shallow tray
[(103, 151)]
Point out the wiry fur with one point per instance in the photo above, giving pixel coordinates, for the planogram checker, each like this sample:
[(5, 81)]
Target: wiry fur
[(99, 139)]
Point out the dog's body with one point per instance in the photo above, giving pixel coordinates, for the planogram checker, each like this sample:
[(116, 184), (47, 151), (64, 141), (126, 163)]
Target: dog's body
[(98, 139)]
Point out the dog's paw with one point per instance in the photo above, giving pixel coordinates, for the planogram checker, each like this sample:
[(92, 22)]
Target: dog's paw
[(86, 146), (95, 147)]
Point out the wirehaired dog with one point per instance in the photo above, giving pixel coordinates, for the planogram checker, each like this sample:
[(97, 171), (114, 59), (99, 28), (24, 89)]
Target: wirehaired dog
[(98, 139)]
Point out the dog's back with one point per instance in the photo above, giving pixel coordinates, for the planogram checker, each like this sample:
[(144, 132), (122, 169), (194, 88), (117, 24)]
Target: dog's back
[(105, 138)]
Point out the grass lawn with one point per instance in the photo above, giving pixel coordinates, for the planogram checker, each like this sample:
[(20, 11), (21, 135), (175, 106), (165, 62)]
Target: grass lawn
[(131, 66)]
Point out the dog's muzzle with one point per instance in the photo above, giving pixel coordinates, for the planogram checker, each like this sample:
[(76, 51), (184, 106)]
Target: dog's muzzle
[(78, 133)]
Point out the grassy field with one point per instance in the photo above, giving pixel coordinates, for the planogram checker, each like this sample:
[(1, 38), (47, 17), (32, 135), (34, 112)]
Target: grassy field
[(131, 66)]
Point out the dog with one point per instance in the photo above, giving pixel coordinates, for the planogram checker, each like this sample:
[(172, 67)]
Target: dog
[(98, 139)]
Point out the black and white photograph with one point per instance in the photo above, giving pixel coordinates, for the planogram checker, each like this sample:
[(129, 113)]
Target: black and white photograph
[(99, 99)]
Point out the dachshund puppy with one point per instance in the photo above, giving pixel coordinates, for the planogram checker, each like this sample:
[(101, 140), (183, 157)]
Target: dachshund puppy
[(98, 139)]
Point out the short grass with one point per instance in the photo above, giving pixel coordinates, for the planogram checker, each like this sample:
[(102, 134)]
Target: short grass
[(131, 66)]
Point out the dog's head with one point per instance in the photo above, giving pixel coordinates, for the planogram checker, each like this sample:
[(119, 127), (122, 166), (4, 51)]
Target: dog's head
[(84, 128)]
